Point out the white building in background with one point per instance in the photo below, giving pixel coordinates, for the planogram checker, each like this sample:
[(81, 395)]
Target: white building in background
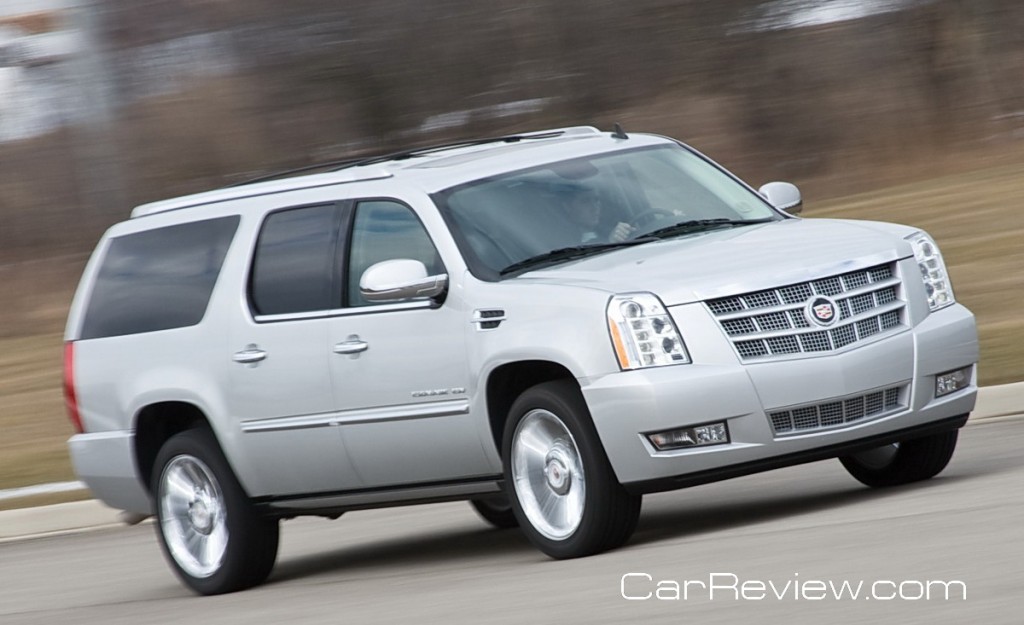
[(34, 89)]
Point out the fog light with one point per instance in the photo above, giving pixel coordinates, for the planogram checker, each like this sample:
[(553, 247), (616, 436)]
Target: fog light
[(696, 436), (952, 381)]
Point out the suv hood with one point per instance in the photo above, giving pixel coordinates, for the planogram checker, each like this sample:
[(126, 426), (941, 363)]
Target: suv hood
[(728, 261)]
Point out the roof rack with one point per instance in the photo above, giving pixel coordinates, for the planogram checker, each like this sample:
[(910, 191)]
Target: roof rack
[(237, 192), (414, 152), (288, 172)]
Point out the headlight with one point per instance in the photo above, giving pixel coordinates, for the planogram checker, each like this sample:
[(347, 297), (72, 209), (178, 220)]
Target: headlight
[(933, 271), (643, 333)]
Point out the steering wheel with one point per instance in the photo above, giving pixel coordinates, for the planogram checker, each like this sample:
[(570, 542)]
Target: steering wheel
[(650, 216)]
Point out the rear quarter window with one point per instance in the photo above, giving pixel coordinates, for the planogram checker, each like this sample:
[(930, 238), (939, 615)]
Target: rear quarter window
[(158, 279)]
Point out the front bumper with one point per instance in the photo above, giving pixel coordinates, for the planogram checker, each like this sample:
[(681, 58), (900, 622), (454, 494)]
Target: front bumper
[(626, 405)]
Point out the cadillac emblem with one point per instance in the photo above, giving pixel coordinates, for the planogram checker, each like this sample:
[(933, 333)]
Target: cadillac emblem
[(822, 310)]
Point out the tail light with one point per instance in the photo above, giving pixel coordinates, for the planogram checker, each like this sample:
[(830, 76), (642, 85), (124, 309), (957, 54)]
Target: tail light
[(70, 401)]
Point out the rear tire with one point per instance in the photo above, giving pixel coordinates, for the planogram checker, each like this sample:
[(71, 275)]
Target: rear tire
[(211, 535), (903, 462), (496, 510), (562, 488)]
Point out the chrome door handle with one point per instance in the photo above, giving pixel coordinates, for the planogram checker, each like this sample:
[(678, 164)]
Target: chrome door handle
[(351, 347), (249, 355)]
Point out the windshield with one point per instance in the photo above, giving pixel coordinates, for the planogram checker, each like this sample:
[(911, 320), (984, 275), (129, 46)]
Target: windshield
[(559, 211)]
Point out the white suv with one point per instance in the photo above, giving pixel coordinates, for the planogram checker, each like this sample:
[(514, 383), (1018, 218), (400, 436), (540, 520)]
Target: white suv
[(548, 325)]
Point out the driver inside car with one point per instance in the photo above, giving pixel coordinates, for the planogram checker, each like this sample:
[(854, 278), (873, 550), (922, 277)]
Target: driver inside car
[(584, 210)]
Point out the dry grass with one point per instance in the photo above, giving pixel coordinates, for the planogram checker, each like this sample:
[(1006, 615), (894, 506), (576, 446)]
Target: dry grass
[(978, 222), (976, 217), (32, 417), (44, 500)]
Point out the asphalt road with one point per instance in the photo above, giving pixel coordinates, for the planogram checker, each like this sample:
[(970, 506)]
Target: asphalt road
[(440, 564)]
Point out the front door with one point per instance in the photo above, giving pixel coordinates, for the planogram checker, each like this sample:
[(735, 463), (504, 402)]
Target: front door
[(399, 369)]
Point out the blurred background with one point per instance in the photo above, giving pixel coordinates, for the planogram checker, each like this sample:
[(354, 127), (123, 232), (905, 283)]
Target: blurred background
[(898, 110)]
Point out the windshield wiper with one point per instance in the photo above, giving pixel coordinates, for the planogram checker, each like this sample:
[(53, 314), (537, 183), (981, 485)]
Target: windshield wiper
[(570, 253), (696, 225)]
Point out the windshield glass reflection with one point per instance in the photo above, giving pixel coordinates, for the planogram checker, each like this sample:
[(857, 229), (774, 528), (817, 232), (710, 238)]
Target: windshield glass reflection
[(600, 200)]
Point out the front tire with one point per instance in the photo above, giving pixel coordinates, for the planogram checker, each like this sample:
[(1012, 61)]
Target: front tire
[(903, 462), (562, 487), (213, 538)]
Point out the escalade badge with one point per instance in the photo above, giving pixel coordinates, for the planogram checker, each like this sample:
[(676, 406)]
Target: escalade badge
[(822, 311)]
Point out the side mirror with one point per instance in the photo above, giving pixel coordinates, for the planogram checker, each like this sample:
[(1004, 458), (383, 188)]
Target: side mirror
[(400, 279), (783, 196)]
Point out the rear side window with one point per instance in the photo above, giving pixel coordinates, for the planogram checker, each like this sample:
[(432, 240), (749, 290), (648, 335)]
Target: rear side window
[(295, 266), (158, 279)]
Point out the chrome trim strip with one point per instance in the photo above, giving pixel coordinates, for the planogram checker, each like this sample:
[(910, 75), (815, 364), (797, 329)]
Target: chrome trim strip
[(343, 312), (277, 424), (358, 417), (404, 413)]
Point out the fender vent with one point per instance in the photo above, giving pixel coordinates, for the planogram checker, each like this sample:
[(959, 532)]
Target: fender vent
[(488, 318)]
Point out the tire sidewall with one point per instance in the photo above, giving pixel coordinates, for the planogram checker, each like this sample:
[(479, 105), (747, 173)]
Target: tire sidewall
[(915, 460), (568, 407), (232, 574), (496, 510)]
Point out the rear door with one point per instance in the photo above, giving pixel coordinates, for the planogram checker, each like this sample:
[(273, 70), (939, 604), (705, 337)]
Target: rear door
[(280, 384)]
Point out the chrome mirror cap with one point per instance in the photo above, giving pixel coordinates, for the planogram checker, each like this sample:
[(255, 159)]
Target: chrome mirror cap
[(400, 279), (783, 196)]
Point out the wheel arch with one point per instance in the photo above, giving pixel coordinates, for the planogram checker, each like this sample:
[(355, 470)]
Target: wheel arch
[(158, 422), (508, 381)]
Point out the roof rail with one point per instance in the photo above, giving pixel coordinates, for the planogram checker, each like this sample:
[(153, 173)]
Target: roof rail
[(413, 152), (265, 188)]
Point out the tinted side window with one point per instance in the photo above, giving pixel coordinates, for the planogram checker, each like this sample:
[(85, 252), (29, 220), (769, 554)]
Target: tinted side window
[(158, 279), (385, 231), (294, 267)]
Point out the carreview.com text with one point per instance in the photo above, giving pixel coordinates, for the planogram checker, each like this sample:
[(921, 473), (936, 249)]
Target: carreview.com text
[(729, 586)]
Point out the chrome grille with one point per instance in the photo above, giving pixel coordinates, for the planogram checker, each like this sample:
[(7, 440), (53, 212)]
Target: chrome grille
[(855, 280), (796, 293), (798, 319), (815, 342), (844, 335), (784, 345), (836, 412), (734, 327), (773, 323), (751, 349), (880, 273), (828, 286)]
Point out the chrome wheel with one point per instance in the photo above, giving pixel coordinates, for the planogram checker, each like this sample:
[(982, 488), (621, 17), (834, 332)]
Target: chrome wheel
[(550, 482), (193, 516)]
